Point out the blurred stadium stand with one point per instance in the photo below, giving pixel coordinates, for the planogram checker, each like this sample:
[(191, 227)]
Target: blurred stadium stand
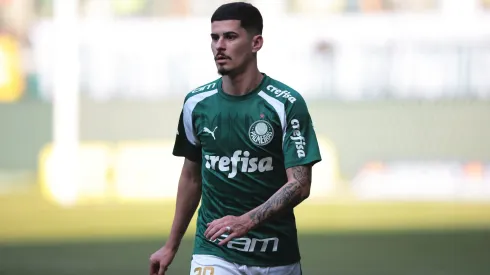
[(347, 50)]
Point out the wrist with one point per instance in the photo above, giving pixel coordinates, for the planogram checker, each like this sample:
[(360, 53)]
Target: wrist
[(172, 245), (249, 222)]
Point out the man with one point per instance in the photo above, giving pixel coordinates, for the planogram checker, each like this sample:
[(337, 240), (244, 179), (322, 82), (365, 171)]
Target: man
[(249, 147)]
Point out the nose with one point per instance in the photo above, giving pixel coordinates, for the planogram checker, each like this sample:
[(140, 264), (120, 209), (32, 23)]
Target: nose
[(220, 44)]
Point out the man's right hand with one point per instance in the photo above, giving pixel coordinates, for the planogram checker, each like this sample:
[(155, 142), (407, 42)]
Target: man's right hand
[(161, 259)]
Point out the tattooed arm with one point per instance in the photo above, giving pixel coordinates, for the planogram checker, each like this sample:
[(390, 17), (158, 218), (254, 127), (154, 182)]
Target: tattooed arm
[(296, 190)]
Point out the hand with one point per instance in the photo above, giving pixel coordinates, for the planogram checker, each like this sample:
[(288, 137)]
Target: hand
[(238, 227), (160, 260)]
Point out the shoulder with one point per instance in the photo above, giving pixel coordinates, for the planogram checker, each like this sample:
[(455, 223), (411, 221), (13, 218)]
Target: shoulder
[(203, 91), (283, 93)]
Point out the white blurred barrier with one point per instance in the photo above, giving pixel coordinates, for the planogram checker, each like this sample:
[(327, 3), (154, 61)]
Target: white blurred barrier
[(147, 171), (142, 172), (423, 181), (349, 57)]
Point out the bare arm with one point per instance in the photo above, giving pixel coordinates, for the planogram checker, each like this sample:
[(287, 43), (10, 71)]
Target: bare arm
[(188, 197), (296, 190)]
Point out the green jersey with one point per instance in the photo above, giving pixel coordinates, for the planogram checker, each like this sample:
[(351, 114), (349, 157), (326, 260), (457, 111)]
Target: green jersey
[(245, 144)]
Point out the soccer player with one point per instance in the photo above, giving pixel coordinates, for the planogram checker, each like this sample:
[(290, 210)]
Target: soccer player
[(249, 147)]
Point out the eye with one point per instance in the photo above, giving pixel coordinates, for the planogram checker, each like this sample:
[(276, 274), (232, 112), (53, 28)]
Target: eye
[(230, 36), (214, 37)]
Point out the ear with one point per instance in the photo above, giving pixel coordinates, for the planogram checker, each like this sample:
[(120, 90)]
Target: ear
[(257, 42)]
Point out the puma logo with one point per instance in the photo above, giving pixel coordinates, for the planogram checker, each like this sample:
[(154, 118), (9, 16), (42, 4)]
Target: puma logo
[(206, 130)]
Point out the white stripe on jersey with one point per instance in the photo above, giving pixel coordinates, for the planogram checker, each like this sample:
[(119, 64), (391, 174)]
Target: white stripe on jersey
[(189, 106), (280, 110)]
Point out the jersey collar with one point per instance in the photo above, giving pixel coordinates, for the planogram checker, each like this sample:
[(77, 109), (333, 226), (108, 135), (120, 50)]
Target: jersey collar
[(255, 91)]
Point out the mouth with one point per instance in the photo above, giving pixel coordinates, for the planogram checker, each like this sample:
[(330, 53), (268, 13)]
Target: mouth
[(221, 58)]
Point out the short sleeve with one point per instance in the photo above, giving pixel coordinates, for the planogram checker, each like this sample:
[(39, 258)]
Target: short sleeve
[(183, 147), (300, 146)]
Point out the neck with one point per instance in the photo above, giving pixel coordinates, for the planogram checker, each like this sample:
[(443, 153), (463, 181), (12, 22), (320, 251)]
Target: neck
[(242, 83)]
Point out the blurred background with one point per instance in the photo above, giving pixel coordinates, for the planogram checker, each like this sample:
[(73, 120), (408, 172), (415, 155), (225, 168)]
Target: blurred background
[(399, 91)]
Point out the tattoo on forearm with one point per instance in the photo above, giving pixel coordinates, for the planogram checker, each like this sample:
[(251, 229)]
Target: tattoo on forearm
[(287, 197), (284, 197)]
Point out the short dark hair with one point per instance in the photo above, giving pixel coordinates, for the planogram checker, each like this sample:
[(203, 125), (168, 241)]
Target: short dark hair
[(249, 16)]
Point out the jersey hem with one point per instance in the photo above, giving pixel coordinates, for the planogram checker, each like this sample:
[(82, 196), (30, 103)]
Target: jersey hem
[(310, 162), (187, 156)]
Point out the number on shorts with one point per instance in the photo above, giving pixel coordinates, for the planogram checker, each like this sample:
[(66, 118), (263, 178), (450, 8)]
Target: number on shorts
[(204, 271)]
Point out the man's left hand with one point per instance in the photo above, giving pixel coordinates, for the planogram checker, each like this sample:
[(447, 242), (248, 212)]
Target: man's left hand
[(234, 226)]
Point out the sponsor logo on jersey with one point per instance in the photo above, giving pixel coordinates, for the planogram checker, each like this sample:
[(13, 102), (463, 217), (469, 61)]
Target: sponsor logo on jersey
[(238, 162), (261, 132), (206, 130), (204, 88), (251, 244), (298, 139), (280, 93)]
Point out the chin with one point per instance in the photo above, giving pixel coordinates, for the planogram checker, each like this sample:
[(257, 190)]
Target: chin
[(223, 71)]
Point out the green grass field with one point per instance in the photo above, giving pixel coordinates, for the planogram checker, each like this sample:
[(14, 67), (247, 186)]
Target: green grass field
[(462, 252), (338, 237)]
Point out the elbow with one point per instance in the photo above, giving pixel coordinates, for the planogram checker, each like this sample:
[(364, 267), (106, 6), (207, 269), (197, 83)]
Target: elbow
[(305, 192), (189, 183)]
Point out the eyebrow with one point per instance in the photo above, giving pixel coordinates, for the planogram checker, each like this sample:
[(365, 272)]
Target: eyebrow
[(225, 33)]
